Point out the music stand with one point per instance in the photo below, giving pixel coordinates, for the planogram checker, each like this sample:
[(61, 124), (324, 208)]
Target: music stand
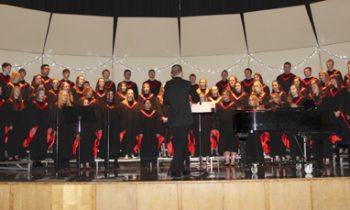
[(57, 147), (201, 108), (107, 174), (79, 114)]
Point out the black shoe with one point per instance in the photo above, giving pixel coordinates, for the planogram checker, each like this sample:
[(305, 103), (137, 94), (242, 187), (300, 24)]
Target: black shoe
[(179, 175), (186, 173), (172, 174), (176, 175)]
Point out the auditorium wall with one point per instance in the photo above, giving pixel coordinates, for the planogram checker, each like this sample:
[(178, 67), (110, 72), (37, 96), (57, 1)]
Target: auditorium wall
[(206, 44)]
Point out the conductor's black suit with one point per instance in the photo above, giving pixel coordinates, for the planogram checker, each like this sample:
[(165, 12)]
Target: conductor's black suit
[(176, 97)]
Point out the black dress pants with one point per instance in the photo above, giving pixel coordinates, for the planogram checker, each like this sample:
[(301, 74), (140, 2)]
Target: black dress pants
[(180, 143)]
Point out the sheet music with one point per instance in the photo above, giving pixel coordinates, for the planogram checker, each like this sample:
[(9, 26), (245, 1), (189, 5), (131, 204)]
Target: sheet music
[(203, 107)]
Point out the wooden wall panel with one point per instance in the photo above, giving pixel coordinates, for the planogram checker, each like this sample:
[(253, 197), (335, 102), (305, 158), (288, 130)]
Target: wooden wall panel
[(202, 196), (304, 194), (157, 195), (30, 196), (244, 195), (5, 198), (296, 194), (73, 196), (331, 194), (115, 196)]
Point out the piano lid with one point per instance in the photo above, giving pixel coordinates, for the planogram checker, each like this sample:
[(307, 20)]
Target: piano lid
[(286, 120)]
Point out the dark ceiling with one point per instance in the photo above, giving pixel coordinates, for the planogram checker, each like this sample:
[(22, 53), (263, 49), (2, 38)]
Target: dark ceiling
[(154, 8)]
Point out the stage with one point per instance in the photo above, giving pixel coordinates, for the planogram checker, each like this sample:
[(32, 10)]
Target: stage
[(274, 186)]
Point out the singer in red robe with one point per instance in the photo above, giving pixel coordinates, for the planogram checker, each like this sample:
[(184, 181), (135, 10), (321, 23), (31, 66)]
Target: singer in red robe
[(129, 114), (37, 122), (149, 130)]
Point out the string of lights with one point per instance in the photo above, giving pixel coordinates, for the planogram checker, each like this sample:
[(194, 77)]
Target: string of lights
[(236, 64)]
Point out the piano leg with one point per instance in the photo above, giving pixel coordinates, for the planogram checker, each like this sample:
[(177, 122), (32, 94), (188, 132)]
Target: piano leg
[(305, 147), (242, 149), (254, 151), (296, 149)]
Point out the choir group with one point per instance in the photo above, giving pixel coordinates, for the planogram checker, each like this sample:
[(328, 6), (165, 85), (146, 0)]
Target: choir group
[(31, 116)]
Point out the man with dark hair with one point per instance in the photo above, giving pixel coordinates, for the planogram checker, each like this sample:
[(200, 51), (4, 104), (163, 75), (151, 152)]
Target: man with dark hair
[(247, 83), (222, 84), (5, 75), (287, 78), (306, 82), (25, 86), (109, 84), (47, 81), (23, 73), (66, 74), (330, 68), (154, 84), (193, 82), (130, 84), (179, 120)]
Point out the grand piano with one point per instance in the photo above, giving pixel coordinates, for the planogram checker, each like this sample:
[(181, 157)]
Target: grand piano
[(298, 122)]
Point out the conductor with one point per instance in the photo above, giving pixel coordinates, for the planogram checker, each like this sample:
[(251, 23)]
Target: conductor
[(176, 97)]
